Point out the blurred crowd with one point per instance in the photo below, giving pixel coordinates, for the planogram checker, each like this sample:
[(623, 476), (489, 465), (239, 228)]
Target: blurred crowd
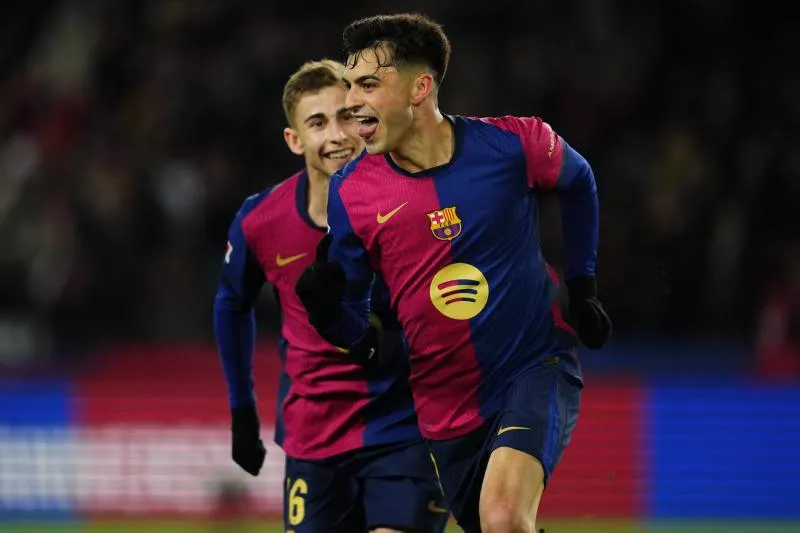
[(130, 131)]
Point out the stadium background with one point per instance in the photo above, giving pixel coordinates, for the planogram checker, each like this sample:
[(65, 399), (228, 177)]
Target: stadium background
[(131, 131)]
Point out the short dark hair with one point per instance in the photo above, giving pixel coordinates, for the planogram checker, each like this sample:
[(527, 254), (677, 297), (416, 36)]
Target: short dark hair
[(410, 37), (310, 78)]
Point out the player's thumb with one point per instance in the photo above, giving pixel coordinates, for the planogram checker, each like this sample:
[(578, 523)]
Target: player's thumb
[(322, 248)]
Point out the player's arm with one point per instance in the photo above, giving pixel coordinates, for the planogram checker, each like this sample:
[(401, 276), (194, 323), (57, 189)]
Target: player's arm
[(577, 193), (335, 289), (235, 332), (553, 165), (234, 317)]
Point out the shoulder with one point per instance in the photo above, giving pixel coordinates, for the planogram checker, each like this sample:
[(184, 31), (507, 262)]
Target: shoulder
[(499, 132), (272, 203), (363, 165), (510, 132), (270, 198), (507, 124)]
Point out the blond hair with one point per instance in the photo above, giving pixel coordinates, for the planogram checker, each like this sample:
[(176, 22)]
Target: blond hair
[(310, 78)]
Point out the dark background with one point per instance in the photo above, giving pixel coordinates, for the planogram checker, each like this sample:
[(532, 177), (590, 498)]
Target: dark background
[(131, 131)]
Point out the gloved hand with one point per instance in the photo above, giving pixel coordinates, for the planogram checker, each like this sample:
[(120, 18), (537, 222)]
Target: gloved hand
[(591, 321), (379, 348), (321, 286), (247, 448)]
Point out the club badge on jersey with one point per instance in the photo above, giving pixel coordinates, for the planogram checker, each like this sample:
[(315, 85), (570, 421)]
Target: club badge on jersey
[(445, 224)]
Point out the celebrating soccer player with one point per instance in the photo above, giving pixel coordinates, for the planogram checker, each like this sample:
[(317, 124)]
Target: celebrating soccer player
[(355, 460), (443, 208)]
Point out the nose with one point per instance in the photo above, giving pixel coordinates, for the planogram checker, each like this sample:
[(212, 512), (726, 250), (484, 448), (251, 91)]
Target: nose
[(337, 132), (353, 101)]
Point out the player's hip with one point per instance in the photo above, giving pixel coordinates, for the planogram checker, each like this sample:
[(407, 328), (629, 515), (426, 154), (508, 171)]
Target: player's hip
[(539, 411), (532, 403), (536, 415), (542, 392), (453, 407)]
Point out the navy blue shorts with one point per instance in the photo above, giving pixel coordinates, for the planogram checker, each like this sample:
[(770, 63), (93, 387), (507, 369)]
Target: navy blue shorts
[(538, 415), (390, 486)]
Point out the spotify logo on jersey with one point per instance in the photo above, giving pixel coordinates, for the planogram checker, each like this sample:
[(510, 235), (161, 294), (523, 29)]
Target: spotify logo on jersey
[(459, 291)]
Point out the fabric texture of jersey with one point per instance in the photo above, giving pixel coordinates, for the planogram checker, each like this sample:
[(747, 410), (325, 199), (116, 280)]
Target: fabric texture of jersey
[(458, 247), (326, 405)]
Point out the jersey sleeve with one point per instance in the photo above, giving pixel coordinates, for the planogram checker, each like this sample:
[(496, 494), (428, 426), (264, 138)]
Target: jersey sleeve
[(348, 250), (552, 165), (234, 317), (580, 214), (542, 147)]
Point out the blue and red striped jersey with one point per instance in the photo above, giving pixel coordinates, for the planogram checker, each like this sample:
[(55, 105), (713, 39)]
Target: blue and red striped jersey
[(458, 248), (327, 405)]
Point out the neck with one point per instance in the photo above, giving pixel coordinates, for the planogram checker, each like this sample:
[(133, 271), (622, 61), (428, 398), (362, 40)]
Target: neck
[(317, 200), (429, 142)]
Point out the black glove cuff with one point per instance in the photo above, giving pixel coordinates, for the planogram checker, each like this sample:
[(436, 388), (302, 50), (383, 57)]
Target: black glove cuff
[(582, 287), (245, 416)]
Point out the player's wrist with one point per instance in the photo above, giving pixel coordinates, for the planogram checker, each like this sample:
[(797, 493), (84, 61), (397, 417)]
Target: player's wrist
[(582, 287), (245, 415)]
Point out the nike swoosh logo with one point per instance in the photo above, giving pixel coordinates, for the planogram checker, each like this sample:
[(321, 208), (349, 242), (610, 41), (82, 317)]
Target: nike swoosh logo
[(510, 428), (432, 507), (383, 218), (283, 261)]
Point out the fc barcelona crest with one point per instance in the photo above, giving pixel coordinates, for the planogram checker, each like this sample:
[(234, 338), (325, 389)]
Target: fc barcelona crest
[(445, 224)]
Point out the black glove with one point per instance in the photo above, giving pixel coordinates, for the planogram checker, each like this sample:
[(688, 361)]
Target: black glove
[(591, 320), (379, 348), (321, 287), (247, 448)]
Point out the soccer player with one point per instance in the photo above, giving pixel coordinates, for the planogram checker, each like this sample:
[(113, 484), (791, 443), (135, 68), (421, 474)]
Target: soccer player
[(444, 209), (355, 460)]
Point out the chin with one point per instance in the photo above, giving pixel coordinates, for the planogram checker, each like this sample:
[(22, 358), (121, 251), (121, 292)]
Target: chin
[(376, 148), (334, 168)]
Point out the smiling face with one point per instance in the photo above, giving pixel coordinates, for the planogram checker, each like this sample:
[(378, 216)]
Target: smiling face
[(381, 97), (323, 130), (395, 64)]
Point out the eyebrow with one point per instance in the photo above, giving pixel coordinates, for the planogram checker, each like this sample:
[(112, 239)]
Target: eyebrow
[(315, 116), (361, 79), (367, 77)]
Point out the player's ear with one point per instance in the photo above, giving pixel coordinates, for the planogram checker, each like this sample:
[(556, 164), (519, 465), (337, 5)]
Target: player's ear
[(422, 88), (293, 141)]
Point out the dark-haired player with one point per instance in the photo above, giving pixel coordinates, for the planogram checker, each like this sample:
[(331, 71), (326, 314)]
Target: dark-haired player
[(355, 460), (443, 209)]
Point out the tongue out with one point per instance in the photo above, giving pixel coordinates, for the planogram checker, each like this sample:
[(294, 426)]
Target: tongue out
[(367, 129)]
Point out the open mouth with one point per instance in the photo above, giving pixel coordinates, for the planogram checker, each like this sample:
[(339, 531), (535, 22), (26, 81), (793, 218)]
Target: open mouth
[(344, 153), (367, 127)]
